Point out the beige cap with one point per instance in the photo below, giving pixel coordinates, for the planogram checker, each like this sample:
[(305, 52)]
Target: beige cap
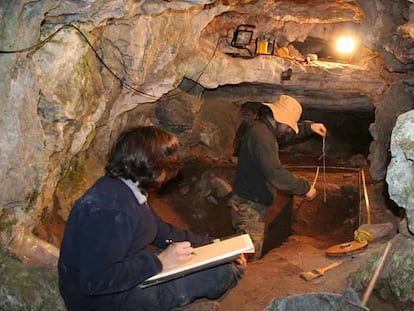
[(286, 110)]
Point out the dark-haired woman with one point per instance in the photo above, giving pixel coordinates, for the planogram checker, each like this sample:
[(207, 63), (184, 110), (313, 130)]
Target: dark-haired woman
[(104, 253)]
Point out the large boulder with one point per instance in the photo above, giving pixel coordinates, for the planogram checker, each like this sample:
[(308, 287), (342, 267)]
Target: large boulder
[(400, 172)]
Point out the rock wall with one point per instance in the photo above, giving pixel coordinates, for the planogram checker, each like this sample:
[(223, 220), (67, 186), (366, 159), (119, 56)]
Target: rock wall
[(400, 171)]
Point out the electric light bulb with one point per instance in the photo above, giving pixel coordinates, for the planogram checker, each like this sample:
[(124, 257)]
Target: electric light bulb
[(345, 45)]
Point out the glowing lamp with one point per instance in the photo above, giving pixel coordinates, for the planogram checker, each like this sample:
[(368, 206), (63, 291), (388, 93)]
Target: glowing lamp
[(345, 45)]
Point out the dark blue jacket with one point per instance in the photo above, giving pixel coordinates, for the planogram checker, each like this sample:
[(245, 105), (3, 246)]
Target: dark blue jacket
[(104, 251)]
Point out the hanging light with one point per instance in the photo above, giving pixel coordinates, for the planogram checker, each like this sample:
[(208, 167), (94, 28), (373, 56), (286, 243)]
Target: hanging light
[(345, 45)]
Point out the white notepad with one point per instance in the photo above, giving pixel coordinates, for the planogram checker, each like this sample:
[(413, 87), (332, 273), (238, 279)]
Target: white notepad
[(206, 256)]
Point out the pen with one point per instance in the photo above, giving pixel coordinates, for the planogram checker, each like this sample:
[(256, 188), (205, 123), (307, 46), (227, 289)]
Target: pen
[(171, 242)]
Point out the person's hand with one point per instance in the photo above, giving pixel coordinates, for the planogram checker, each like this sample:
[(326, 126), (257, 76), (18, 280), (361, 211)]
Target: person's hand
[(175, 254), (242, 261), (311, 194), (319, 129)]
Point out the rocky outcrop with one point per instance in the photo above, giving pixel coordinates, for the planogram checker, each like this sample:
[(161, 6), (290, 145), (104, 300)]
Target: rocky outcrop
[(397, 100), (400, 171), (25, 287), (394, 282)]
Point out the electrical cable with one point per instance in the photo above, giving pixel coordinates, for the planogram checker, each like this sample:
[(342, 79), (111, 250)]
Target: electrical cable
[(123, 83), (35, 47), (227, 38), (201, 72)]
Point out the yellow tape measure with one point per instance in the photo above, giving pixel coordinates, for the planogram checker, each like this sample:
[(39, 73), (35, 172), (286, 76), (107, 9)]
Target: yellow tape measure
[(363, 235)]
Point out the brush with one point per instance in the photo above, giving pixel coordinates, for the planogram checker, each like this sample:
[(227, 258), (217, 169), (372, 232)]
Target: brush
[(311, 275)]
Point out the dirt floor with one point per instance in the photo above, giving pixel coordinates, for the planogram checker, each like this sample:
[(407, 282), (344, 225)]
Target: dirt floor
[(297, 235)]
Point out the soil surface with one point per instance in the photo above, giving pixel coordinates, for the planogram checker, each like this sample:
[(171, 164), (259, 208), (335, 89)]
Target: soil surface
[(297, 234)]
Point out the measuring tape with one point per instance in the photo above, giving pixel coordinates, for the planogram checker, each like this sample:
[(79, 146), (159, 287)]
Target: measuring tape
[(324, 167), (363, 235)]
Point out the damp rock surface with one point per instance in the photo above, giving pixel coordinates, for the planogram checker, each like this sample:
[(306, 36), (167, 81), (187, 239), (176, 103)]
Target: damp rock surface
[(24, 287)]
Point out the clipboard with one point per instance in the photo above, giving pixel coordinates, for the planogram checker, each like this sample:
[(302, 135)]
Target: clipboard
[(205, 257)]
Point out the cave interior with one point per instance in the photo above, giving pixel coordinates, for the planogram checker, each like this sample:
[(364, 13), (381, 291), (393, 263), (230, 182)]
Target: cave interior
[(97, 67)]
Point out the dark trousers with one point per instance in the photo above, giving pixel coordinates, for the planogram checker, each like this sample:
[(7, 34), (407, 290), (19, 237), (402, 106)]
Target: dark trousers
[(249, 217), (211, 283)]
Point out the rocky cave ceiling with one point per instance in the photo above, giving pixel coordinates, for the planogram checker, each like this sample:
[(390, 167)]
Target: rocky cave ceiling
[(302, 28)]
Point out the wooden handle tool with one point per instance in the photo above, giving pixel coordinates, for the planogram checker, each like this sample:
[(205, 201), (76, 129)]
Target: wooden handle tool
[(311, 275)]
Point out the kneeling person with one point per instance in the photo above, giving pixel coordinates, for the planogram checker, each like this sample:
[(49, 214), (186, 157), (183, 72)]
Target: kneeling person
[(104, 253)]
